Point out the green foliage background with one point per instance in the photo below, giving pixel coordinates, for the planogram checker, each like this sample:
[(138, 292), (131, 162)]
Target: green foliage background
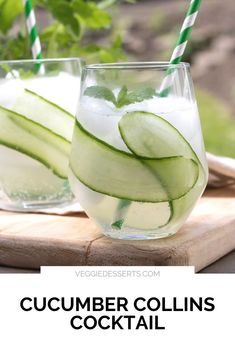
[(65, 36), (72, 25), (218, 125)]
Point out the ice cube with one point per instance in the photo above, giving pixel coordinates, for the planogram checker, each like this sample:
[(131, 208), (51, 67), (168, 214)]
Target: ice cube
[(10, 89), (63, 89)]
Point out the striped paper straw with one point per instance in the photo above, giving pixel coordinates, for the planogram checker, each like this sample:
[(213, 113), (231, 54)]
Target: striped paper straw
[(181, 44), (33, 32), (166, 85)]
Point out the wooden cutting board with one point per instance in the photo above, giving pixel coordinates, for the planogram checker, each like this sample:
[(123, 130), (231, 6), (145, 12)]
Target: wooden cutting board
[(34, 240)]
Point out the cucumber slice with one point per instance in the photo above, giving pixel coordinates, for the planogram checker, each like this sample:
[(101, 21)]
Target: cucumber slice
[(183, 206), (35, 129), (30, 138), (45, 113), (26, 179), (149, 135), (102, 208), (147, 216), (110, 171)]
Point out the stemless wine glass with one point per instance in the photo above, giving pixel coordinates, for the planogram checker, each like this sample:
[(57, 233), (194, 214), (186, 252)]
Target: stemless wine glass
[(38, 102), (137, 161)]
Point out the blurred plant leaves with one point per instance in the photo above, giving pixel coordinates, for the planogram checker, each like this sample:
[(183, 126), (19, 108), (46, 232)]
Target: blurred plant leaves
[(15, 48), (76, 28), (107, 3), (63, 12), (91, 14), (9, 10)]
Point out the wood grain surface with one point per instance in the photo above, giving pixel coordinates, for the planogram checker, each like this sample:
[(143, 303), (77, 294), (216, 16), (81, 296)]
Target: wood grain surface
[(34, 240)]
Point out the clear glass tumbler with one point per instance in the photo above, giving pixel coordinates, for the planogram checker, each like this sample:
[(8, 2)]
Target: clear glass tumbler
[(138, 162), (38, 103)]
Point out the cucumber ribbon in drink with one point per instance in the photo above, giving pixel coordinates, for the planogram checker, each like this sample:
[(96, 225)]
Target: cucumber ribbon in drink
[(159, 170), (43, 132), (39, 132)]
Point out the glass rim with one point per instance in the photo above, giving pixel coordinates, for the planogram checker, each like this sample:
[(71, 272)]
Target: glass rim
[(43, 61), (138, 65)]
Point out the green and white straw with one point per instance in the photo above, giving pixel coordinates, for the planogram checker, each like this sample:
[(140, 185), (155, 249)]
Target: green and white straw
[(181, 44), (33, 32), (165, 88)]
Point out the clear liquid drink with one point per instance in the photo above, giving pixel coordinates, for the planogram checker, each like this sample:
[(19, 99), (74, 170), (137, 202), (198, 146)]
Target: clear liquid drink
[(37, 113), (137, 163)]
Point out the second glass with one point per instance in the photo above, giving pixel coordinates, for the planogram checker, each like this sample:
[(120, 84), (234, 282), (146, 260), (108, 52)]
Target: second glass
[(38, 102), (138, 163)]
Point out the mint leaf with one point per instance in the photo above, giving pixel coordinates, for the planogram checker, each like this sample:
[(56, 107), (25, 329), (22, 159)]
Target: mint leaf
[(124, 97), (118, 224), (140, 94), (121, 98), (101, 92), (137, 95)]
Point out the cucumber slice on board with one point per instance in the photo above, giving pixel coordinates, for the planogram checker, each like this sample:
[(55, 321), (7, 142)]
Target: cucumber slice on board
[(30, 138), (110, 171), (45, 113), (149, 135)]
